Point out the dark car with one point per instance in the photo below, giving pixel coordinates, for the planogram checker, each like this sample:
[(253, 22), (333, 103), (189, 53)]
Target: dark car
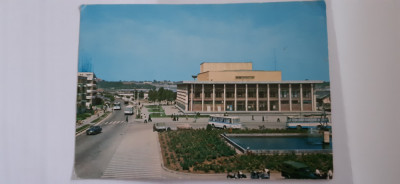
[(93, 130), (296, 170), (260, 175)]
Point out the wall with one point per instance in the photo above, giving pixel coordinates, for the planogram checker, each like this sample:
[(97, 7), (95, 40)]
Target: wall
[(204, 67), (231, 76)]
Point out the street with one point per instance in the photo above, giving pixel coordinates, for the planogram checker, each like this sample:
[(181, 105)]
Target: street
[(130, 150)]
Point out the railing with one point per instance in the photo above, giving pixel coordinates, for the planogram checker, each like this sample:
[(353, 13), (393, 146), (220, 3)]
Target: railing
[(237, 146)]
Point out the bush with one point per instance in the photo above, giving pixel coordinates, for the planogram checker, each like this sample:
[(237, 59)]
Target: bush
[(209, 127)]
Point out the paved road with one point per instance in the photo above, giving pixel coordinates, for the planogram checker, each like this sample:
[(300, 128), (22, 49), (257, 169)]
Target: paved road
[(129, 150), (92, 153)]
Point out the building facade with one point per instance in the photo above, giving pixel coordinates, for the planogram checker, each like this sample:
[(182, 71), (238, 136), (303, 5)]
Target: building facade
[(245, 93), (91, 86), (81, 95)]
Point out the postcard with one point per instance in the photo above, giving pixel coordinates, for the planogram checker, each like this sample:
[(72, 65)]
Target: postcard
[(204, 92)]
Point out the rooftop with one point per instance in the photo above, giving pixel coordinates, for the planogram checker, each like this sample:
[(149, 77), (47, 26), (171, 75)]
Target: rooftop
[(252, 82)]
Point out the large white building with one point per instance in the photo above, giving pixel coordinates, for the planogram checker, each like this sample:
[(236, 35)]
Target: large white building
[(236, 87)]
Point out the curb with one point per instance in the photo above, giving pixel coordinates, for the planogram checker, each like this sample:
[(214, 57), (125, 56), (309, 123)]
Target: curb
[(84, 130)]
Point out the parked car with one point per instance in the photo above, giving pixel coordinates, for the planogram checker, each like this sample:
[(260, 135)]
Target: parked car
[(237, 175), (260, 174), (94, 130), (159, 127), (297, 170)]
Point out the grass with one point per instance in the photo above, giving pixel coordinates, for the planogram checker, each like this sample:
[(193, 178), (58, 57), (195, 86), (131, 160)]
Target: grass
[(101, 117), (158, 115), (82, 128), (203, 151), (82, 116), (156, 111)]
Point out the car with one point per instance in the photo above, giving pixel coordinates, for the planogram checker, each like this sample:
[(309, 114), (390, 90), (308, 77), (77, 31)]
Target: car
[(93, 130), (296, 170), (260, 174), (159, 127)]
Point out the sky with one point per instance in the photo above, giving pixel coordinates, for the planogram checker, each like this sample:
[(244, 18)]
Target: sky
[(169, 42)]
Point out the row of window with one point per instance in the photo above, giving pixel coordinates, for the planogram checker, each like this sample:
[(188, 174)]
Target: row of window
[(261, 94)]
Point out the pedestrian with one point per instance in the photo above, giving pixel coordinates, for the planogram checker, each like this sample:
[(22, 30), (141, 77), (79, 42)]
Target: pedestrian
[(126, 118), (263, 118), (317, 172), (330, 174), (177, 118), (252, 117)]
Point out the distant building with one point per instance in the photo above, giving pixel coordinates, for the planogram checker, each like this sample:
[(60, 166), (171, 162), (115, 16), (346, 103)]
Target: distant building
[(237, 87), (81, 95), (91, 87), (324, 100)]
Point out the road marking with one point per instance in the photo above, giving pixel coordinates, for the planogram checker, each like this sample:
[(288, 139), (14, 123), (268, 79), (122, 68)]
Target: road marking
[(136, 158)]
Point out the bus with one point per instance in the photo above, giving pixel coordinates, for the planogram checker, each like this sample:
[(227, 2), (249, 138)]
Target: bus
[(308, 122), (219, 121), (128, 110)]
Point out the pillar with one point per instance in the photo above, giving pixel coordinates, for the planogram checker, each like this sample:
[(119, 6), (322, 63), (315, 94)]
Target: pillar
[(202, 97), (268, 108), (191, 98), (224, 97), (213, 98), (290, 97), (235, 98), (257, 108), (313, 106), (279, 97), (301, 97), (245, 101)]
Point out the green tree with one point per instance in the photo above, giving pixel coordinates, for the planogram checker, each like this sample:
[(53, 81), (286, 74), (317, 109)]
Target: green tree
[(97, 101), (141, 94), (136, 94)]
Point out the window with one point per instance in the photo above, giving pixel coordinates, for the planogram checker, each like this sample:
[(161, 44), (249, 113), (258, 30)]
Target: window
[(284, 94), (295, 94), (244, 77)]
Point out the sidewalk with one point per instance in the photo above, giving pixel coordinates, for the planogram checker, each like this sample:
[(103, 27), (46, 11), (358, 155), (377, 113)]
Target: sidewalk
[(90, 119)]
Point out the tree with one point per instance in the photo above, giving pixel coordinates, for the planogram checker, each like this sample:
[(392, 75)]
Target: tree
[(136, 94), (97, 101), (141, 95)]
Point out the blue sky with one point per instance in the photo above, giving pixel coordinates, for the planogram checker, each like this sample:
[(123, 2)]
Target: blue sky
[(168, 42)]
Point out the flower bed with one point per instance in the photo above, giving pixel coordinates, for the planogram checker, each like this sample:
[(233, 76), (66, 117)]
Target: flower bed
[(204, 151)]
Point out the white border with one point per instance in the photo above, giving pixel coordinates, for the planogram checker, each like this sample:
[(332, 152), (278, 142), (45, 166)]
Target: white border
[(38, 57)]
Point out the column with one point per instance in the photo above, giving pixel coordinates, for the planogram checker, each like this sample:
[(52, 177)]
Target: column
[(301, 97), (191, 98), (268, 108), (235, 99), (213, 98), (187, 98), (257, 108), (245, 102), (290, 97), (279, 97), (202, 97), (313, 107), (224, 97)]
